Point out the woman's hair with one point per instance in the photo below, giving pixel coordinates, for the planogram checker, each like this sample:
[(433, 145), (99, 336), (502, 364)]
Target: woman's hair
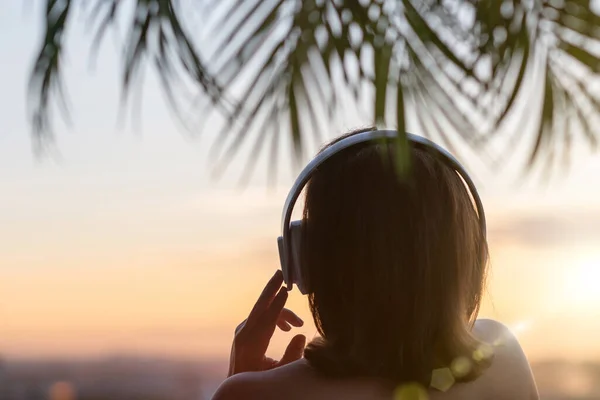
[(396, 266)]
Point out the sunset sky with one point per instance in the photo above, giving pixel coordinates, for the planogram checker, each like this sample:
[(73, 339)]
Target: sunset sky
[(122, 242)]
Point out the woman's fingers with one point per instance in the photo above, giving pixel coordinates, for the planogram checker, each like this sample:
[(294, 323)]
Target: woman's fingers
[(283, 325), (266, 297), (294, 350), (287, 319), (269, 363), (271, 315), (240, 326), (290, 317), (253, 335)]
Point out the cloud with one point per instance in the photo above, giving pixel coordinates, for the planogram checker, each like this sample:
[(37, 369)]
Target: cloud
[(548, 228)]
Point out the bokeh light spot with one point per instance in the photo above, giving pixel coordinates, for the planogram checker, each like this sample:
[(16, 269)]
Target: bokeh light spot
[(61, 391), (483, 352), (442, 379), (410, 391), (460, 367)]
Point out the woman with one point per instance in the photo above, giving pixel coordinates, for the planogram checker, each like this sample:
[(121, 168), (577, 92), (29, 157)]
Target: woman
[(396, 268)]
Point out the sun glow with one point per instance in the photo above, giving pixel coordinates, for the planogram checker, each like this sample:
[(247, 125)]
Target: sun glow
[(582, 286), (521, 327)]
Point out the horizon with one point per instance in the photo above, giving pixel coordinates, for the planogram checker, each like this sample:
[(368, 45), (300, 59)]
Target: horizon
[(178, 379), (124, 243)]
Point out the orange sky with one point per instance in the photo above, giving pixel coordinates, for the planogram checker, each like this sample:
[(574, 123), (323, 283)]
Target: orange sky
[(181, 291)]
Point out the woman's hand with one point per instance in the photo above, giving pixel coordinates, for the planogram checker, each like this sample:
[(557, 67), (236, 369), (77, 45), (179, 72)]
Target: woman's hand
[(252, 336)]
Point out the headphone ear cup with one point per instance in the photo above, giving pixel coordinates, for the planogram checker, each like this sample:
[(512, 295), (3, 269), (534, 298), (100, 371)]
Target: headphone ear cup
[(285, 266), (298, 272)]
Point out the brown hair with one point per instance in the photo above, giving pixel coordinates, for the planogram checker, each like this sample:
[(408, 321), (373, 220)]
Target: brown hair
[(396, 267)]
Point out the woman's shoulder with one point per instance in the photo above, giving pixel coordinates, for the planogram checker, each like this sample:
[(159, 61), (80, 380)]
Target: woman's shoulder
[(509, 374), (275, 383), (295, 381), (500, 341), (508, 377), (489, 330), (244, 385)]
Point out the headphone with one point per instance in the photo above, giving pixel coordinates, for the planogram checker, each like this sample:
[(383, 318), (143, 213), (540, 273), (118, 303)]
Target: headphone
[(289, 242)]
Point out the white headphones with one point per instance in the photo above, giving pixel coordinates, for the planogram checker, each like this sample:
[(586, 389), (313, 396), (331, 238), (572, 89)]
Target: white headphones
[(289, 242)]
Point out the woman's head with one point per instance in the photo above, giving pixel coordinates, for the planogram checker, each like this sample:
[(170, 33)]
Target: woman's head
[(396, 267)]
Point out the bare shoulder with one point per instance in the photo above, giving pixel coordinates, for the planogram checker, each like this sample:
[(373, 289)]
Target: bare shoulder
[(247, 385), (236, 387), (490, 330), (508, 377), (272, 384), (510, 374)]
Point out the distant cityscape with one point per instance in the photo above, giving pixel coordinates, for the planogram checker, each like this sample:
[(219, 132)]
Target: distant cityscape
[(129, 378), (115, 378)]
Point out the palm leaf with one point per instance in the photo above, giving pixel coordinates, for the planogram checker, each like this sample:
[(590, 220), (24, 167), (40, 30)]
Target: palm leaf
[(155, 35), (46, 79), (272, 67), (571, 67), (297, 49)]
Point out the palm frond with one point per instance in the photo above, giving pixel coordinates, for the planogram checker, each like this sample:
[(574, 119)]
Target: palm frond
[(155, 36), (283, 83), (46, 79), (273, 67), (570, 40), (297, 49)]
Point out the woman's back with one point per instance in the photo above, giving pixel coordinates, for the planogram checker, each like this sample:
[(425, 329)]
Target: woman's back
[(508, 377)]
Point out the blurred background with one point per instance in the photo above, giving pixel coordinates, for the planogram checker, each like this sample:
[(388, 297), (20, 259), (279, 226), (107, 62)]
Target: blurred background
[(125, 266)]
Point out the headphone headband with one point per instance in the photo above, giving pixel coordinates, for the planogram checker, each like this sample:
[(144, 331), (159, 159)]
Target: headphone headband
[(363, 137)]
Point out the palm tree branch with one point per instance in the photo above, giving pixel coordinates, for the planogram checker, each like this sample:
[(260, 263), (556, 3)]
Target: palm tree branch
[(45, 78)]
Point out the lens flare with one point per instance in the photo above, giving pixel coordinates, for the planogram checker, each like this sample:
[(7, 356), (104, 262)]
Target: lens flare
[(410, 391), (461, 366), (483, 352), (442, 379), (520, 327)]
